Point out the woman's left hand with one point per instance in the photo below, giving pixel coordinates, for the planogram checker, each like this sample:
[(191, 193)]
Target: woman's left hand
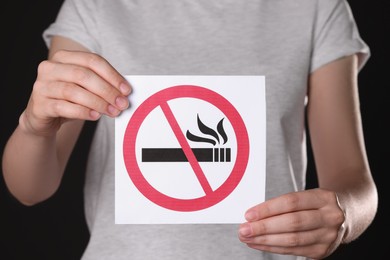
[(305, 223)]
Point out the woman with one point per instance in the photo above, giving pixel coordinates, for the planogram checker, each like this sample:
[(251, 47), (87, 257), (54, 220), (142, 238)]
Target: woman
[(310, 53)]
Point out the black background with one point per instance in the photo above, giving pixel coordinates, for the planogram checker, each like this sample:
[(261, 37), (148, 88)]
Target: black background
[(55, 229)]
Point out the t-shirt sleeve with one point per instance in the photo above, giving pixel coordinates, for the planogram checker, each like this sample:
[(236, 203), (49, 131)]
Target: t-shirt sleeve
[(336, 34), (76, 21)]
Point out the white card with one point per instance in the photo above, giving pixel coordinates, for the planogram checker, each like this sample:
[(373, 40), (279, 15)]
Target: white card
[(190, 149)]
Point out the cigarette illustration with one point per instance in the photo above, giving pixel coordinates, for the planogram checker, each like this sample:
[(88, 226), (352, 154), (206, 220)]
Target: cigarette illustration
[(201, 154), (177, 154)]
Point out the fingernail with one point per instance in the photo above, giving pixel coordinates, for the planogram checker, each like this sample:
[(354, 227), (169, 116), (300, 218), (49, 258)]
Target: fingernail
[(112, 110), (121, 102), (250, 216), (124, 88), (94, 114), (245, 230)]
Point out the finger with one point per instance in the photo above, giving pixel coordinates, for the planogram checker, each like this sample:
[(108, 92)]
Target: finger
[(86, 79), (292, 239), (291, 202), (65, 109), (316, 251), (75, 94), (290, 222), (97, 64)]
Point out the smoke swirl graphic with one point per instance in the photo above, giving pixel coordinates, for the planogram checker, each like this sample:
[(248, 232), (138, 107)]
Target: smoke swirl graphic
[(210, 132)]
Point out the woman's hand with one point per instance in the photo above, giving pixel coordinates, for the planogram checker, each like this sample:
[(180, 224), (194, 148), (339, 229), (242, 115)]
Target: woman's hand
[(73, 85), (306, 223)]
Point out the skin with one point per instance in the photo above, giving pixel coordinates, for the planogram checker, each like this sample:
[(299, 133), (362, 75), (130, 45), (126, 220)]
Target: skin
[(74, 85), (313, 223), (71, 87)]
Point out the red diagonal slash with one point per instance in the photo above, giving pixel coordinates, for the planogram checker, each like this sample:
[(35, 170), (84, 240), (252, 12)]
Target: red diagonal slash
[(186, 148)]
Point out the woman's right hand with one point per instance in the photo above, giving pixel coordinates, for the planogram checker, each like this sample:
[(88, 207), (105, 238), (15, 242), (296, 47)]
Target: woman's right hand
[(73, 85)]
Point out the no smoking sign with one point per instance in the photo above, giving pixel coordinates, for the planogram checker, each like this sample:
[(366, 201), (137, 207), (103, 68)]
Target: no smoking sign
[(191, 149)]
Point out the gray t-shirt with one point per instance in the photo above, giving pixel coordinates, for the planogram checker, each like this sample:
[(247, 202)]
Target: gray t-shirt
[(283, 40)]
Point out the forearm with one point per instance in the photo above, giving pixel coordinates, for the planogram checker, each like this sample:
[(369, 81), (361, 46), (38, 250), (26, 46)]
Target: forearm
[(31, 167), (338, 143)]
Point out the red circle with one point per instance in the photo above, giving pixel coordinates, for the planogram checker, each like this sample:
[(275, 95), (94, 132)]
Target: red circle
[(129, 149)]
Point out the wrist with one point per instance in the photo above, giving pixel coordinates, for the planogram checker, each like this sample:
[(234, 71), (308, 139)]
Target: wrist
[(343, 230), (27, 128)]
